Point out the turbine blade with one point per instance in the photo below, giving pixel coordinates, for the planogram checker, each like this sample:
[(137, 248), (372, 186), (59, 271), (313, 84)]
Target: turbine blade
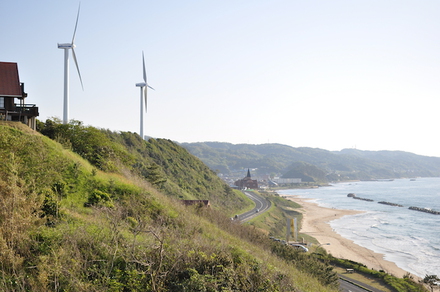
[(145, 71), (76, 24), (77, 67)]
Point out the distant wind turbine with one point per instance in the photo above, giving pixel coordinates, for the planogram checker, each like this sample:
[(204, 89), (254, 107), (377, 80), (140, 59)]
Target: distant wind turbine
[(143, 87), (66, 47)]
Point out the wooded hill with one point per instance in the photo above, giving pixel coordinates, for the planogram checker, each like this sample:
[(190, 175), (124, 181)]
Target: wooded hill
[(287, 161), (84, 209)]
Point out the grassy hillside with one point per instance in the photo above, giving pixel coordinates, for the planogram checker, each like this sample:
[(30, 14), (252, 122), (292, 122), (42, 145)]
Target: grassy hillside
[(93, 210), (164, 164)]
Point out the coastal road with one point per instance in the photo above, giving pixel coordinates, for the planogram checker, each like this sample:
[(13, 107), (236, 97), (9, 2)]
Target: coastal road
[(350, 285), (261, 205)]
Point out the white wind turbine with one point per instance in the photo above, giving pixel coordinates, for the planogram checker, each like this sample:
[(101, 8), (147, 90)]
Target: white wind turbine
[(143, 87), (66, 47)]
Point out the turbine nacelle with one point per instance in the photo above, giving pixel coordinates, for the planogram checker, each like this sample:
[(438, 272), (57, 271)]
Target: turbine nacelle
[(141, 84), (66, 46)]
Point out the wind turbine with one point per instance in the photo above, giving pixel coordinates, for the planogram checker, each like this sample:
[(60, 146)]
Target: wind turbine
[(66, 47), (143, 87)]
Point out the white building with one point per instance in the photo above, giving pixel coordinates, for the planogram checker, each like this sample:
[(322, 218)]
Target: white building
[(282, 181)]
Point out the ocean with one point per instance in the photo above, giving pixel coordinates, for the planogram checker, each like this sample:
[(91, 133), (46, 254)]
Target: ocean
[(409, 238)]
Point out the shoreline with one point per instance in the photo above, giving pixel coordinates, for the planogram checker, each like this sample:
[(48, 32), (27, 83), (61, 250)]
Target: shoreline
[(315, 223)]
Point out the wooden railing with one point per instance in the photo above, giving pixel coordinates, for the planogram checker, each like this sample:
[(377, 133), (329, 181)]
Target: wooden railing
[(26, 109)]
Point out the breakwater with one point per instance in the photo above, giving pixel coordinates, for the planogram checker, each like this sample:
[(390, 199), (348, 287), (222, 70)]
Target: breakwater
[(425, 210), (363, 199), (390, 204), (351, 195)]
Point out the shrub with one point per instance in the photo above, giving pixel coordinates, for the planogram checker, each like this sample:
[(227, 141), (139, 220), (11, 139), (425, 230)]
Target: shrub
[(99, 198)]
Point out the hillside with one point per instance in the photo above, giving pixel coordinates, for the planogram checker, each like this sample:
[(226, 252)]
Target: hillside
[(348, 164), (163, 163), (94, 210)]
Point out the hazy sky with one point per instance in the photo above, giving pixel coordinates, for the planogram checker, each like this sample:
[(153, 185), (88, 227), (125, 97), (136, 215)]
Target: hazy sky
[(334, 74)]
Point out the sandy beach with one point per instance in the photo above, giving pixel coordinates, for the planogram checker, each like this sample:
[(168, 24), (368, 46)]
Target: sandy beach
[(316, 223)]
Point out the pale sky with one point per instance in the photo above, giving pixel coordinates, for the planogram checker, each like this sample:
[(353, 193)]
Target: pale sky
[(334, 74)]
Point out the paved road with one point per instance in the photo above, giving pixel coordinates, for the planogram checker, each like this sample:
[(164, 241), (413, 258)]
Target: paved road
[(261, 205), (348, 285)]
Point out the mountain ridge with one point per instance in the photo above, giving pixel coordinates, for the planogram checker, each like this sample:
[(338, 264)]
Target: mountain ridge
[(347, 164)]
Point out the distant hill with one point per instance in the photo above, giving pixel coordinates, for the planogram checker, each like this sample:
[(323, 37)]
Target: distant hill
[(338, 165), (306, 172)]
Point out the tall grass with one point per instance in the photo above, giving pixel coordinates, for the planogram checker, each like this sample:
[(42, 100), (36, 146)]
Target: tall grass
[(58, 231)]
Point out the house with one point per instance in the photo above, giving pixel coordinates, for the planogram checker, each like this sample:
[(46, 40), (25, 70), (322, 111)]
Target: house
[(286, 181), (10, 90), (247, 182)]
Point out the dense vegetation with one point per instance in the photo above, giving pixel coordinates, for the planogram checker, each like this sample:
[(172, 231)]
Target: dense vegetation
[(163, 163), (308, 173), (85, 209), (348, 164)]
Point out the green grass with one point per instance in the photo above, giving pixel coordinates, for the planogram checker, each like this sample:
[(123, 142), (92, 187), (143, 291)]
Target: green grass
[(63, 235)]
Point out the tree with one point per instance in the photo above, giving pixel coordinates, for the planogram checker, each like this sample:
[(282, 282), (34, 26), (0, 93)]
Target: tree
[(432, 281)]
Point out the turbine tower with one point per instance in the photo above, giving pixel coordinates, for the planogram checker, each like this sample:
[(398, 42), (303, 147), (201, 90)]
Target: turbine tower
[(143, 87), (66, 47)]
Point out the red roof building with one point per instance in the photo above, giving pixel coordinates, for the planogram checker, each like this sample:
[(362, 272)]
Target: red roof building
[(9, 81), (247, 182), (10, 89)]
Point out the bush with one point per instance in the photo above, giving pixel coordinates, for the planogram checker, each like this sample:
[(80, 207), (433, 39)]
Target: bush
[(99, 198)]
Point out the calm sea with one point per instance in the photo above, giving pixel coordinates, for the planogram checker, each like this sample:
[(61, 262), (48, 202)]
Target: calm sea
[(411, 239)]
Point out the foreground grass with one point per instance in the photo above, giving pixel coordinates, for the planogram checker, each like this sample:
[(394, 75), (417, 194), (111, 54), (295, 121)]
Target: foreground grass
[(70, 224)]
